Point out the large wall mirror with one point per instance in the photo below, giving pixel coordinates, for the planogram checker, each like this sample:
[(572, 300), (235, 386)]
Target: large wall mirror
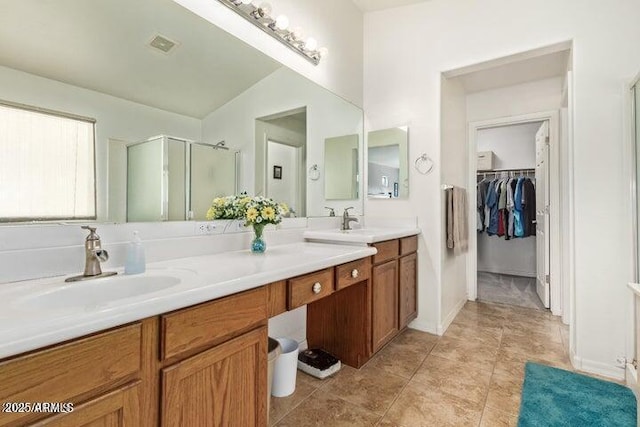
[(181, 112), (387, 163)]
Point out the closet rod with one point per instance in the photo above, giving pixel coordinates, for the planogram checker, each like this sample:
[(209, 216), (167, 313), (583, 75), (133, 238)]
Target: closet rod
[(506, 170)]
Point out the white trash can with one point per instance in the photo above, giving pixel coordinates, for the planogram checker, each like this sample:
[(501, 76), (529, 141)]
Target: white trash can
[(284, 374)]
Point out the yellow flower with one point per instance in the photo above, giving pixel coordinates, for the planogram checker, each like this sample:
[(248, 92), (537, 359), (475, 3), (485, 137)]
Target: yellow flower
[(268, 213), (252, 214), (245, 200), (211, 213), (218, 201), (284, 208)]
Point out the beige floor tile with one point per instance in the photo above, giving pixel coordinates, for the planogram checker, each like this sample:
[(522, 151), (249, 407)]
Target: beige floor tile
[(423, 406), (324, 410), (280, 406), (511, 363), (399, 359), (484, 334), (417, 340), (548, 334), (369, 388), (504, 393), (495, 418), (544, 350), (466, 351), (463, 380), (473, 318)]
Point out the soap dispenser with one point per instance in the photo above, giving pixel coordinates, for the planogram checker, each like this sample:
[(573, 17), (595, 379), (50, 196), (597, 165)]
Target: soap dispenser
[(135, 263)]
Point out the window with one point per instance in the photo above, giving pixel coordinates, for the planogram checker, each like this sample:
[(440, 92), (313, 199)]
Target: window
[(47, 167)]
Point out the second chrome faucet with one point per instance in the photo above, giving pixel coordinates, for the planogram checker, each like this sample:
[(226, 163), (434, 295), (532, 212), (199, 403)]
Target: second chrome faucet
[(347, 220)]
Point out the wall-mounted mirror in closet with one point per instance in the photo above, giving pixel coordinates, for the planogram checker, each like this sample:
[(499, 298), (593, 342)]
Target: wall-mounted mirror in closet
[(152, 75), (387, 162)]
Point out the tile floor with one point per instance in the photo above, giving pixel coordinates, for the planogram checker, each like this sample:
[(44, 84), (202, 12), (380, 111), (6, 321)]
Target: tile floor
[(508, 289), (472, 376)]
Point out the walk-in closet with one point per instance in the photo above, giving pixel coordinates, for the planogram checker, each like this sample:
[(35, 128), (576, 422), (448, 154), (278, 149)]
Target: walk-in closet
[(511, 194)]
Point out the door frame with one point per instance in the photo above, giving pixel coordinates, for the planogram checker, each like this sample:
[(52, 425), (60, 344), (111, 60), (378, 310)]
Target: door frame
[(555, 226)]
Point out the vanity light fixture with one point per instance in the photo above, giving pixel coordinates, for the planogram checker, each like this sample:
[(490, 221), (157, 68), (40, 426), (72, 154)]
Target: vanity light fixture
[(260, 16)]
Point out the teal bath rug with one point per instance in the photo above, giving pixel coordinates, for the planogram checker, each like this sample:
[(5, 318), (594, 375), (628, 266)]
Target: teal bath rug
[(559, 398)]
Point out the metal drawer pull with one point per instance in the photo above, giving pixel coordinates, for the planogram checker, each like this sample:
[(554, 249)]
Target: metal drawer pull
[(317, 287), (354, 273)]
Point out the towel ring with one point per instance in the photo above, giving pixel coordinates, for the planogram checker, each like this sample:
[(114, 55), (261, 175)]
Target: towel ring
[(424, 164), (314, 173)]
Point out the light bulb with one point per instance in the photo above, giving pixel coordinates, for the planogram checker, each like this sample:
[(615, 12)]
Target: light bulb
[(311, 44), (265, 9), (298, 33), (324, 52), (282, 22)]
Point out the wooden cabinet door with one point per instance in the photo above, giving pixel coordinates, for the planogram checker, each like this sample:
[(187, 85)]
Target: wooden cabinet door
[(223, 386), (408, 306), (119, 408), (385, 303)]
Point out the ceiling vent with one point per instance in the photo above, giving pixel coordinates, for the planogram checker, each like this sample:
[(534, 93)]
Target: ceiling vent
[(162, 44)]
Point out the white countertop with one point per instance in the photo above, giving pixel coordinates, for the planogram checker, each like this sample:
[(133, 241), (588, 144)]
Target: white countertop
[(360, 235), (204, 278)]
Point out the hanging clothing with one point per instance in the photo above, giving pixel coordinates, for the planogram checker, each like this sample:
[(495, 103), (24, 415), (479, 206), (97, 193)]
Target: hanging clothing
[(481, 195), (506, 207), (492, 205), (529, 208)]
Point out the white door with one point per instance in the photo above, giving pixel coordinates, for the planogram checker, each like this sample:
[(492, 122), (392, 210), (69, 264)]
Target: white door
[(542, 213)]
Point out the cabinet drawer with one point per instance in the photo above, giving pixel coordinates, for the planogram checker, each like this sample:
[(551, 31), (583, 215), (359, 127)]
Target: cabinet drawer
[(353, 272), (277, 297), (408, 245), (203, 325), (65, 372), (310, 287), (386, 251)]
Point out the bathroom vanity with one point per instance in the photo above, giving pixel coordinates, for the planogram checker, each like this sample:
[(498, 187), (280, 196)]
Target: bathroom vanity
[(201, 363)]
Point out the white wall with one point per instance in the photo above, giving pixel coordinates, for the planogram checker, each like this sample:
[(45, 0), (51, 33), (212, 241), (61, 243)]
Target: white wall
[(327, 116), (513, 147), (116, 118), (453, 172), (336, 24), (286, 188), (403, 63)]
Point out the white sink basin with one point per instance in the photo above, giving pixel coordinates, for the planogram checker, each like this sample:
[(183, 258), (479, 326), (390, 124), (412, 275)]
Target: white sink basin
[(98, 293), (360, 235)]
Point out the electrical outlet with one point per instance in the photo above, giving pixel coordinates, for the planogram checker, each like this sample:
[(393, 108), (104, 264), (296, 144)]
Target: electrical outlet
[(205, 228)]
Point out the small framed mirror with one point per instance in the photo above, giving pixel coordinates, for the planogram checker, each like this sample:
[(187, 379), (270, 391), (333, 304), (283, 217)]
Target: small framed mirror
[(388, 163)]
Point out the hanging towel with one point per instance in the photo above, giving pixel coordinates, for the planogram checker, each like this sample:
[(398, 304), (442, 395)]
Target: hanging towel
[(457, 230)]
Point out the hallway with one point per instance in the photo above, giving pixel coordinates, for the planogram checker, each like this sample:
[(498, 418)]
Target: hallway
[(472, 376)]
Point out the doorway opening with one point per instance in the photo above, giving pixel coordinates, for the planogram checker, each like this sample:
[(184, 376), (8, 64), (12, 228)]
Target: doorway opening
[(281, 152), (512, 194)]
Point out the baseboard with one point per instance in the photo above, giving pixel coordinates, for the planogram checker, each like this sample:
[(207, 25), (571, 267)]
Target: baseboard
[(598, 368), (442, 327), (509, 272), (303, 345), (429, 327)]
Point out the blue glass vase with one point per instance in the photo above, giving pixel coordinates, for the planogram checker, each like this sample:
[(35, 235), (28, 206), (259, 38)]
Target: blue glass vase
[(258, 245)]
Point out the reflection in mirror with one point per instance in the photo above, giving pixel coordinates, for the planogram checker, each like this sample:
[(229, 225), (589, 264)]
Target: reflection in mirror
[(387, 162), (281, 141), (341, 168), (135, 91)]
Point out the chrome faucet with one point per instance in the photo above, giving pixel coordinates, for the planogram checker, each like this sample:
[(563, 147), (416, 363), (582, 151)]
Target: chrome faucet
[(93, 256), (347, 220)]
